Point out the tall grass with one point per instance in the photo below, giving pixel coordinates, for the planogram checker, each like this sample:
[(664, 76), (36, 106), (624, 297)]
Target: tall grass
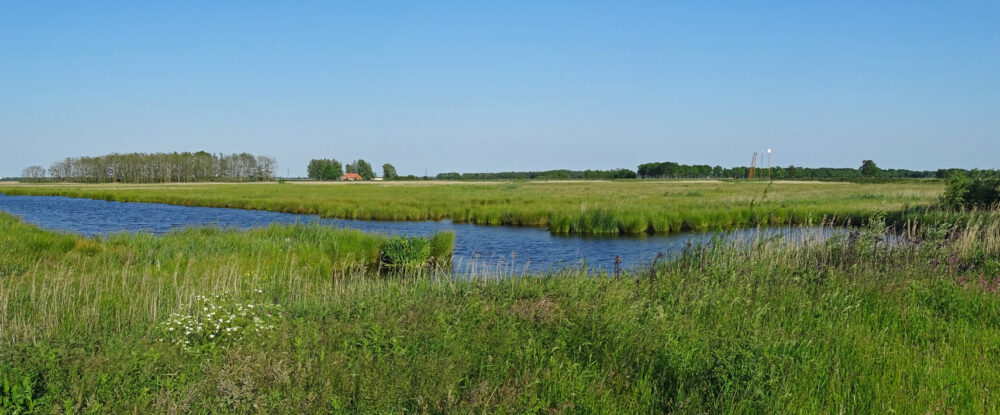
[(858, 323), (597, 207), (442, 247)]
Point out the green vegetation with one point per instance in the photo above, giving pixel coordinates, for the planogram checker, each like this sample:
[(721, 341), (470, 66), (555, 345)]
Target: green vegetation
[(328, 251), (362, 168), (849, 325), (389, 172), (868, 170), (594, 207), (963, 192), (403, 254), (543, 175), (324, 169), (157, 168), (442, 247)]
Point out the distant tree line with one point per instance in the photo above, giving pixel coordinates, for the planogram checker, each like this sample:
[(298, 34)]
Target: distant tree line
[(868, 169), (542, 175), (690, 171), (331, 169), (33, 173), (157, 168)]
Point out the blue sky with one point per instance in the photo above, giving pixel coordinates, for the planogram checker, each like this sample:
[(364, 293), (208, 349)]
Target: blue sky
[(492, 86)]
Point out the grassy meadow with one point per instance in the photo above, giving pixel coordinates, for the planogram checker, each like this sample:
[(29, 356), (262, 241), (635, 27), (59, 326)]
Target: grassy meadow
[(290, 319), (580, 207)]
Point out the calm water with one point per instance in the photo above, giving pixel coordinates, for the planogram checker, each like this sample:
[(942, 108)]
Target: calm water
[(493, 247)]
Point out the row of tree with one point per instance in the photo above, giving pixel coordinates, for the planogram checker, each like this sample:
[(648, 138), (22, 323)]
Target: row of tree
[(868, 169), (203, 166), (676, 170), (542, 175), (669, 169), (331, 169), (157, 168)]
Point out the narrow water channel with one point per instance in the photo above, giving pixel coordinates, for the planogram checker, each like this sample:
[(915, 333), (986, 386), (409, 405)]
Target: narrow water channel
[(493, 248)]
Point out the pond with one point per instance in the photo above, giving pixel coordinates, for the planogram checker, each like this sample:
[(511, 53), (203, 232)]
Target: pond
[(477, 248)]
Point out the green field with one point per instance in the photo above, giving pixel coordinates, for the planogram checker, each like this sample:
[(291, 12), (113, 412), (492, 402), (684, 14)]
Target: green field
[(307, 319), (850, 325), (584, 207)]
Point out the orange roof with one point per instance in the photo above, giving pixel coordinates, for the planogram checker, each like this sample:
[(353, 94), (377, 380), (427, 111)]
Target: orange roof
[(351, 176)]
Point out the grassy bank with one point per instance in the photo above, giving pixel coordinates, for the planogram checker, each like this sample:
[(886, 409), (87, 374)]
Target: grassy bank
[(851, 325), (586, 207)]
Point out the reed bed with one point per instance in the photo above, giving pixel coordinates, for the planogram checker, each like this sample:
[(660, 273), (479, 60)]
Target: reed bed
[(586, 207), (864, 322)]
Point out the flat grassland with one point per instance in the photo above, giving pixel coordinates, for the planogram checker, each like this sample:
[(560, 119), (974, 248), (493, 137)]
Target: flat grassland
[(274, 321), (584, 207)]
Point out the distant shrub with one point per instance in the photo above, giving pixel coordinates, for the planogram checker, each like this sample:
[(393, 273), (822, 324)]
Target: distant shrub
[(869, 169), (975, 192)]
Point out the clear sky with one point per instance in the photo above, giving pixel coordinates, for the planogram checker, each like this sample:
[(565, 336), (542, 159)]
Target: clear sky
[(504, 85)]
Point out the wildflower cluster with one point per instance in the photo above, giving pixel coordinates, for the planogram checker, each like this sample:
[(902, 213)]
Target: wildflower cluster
[(219, 320), (990, 285)]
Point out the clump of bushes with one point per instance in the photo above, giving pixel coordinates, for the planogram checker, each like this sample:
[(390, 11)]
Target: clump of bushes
[(405, 255), (963, 192)]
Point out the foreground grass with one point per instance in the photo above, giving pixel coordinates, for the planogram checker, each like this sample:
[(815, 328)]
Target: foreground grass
[(851, 325), (586, 207)]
